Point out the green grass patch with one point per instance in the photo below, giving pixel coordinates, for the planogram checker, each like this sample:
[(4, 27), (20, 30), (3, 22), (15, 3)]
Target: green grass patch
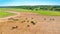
[(48, 13), (41, 12), (5, 14)]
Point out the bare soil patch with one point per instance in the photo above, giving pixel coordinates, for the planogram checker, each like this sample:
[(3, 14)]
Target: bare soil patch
[(31, 23)]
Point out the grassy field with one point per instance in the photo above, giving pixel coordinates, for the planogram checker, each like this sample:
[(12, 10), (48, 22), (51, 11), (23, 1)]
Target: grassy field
[(41, 12), (48, 13), (5, 14)]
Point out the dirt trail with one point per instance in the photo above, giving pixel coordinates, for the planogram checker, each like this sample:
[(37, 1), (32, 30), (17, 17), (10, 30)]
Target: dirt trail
[(40, 25)]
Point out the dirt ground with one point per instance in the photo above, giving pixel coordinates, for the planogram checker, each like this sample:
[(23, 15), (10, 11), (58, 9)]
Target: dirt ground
[(30, 23)]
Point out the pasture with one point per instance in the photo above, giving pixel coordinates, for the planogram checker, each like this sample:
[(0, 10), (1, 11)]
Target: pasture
[(29, 21), (40, 12), (3, 13)]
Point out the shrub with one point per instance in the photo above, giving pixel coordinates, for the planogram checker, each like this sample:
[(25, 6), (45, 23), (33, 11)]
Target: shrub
[(14, 27), (33, 22)]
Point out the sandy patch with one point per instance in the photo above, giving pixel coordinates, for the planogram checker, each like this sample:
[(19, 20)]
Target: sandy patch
[(22, 24)]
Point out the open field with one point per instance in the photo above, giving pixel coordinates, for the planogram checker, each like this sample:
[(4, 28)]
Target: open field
[(5, 14), (41, 12), (29, 21)]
